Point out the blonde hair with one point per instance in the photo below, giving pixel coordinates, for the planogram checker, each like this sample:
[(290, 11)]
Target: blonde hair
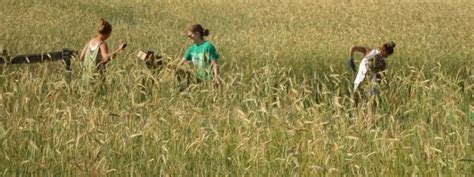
[(104, 27)]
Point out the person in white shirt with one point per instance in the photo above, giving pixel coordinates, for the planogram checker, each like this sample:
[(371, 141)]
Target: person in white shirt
[(373, 64)]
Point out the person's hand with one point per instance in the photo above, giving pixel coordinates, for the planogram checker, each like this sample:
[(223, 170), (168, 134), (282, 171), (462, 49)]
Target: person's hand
[(216, 83), (351, 64), (104, 61), (122, 46)]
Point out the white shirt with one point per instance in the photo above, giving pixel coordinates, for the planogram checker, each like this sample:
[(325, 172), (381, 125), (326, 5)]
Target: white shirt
[(364, 67)]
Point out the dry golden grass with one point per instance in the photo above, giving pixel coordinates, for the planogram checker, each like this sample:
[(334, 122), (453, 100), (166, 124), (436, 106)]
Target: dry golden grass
[(283, 108)]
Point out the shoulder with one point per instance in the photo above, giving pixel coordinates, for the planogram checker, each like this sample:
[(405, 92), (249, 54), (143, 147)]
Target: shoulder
[(362, 49), (191, 47), (95, 42), (372, 52), (210, 45), (102, 43)]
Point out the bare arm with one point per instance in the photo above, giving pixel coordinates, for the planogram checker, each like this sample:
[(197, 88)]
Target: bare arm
[(361, 49), (216, 69), (104, 52), (83, 53), (383, 79), (184, 62)]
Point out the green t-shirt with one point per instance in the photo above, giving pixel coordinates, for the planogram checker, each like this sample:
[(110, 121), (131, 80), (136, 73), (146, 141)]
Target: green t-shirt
[(201, 55)]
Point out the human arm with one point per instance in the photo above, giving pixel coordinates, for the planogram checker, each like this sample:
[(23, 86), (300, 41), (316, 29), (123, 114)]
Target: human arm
[(104, 52), (184, 62), (382, 79), (352, 50), (83, 53), (215, 67), (361, 49), (214, 56)]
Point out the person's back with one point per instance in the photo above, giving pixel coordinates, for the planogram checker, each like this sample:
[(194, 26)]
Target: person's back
[(373, 63), (91, 60), (95, 53)]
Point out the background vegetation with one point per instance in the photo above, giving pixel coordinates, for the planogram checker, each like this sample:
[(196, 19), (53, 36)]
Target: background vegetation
[(283, 107)]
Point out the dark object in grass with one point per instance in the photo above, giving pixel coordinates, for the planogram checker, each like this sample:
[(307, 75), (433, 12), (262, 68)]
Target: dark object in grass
[(65, 55), (152, 61), (124, 45)]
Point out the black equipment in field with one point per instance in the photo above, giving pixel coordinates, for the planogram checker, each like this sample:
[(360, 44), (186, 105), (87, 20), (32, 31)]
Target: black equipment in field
[(65, 55)]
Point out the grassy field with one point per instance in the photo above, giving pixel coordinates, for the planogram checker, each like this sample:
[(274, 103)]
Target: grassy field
[(283, 108)]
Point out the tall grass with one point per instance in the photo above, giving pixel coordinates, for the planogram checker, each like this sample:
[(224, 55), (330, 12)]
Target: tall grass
[(283, 107)]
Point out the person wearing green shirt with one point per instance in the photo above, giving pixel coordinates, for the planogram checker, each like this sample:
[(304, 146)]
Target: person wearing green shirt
[(202, 54)]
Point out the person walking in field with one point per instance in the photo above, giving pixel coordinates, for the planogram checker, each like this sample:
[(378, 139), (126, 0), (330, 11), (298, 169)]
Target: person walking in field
[(372, 64), (95, 53), (202, 54)]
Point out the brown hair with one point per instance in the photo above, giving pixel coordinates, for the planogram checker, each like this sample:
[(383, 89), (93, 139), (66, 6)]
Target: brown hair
[(197, 28), (388, 47), (104, 27)]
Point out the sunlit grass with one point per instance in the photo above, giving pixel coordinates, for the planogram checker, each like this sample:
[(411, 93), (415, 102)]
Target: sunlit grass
[(283, 107)]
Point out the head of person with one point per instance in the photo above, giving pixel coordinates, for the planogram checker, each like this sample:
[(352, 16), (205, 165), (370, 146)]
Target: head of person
[(197, 32), (104, 29), (387, 49)]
